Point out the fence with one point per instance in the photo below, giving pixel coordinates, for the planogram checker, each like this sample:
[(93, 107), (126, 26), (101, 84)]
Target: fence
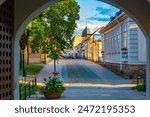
[(28, 88), (139, 77)]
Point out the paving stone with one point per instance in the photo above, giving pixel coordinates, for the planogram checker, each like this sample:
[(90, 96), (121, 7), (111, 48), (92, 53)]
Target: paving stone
[(91, 80)]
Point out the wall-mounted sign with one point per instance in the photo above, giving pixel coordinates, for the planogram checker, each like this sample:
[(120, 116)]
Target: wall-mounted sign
[(124, 57)]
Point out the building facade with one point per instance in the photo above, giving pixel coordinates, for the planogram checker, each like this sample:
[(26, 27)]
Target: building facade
[(124, 45), (76, 40), (96, 50), (36, 58), (90, 48)]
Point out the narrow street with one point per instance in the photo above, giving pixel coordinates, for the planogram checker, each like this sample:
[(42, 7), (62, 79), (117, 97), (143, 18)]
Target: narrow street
[(83, 71), (85, 80)]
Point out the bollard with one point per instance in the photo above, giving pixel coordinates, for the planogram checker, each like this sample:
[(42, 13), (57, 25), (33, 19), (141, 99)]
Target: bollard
[(29, 90), (33, 86), (35, 81), (138, 80)]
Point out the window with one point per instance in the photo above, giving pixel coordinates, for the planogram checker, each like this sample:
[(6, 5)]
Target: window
[(118, 42), (115, 43), (109, 42), (107, 45)]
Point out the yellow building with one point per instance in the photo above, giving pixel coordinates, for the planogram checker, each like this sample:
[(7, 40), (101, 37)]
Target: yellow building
[(87, 39), (77, 39), (35, 58), (93, 47), (88, 47), (96, 48)]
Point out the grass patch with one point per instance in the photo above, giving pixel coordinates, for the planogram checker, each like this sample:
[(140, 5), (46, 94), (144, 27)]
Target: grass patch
[(140, 87), (31, 69)]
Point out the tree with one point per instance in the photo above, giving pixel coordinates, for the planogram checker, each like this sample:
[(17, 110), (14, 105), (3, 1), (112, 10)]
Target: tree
[(59, 23), (36, 29), (23, 43), (38, 33)]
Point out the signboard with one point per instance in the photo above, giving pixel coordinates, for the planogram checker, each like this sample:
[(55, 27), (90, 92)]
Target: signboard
[(124, 57)]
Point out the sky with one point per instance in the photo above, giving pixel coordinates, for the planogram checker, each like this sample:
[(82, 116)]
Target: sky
[(95, 13)]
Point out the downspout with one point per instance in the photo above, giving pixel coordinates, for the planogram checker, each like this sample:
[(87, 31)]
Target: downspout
[(104, 54)]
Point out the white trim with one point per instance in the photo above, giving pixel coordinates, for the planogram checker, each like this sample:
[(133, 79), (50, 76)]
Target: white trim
[(136, 63), (112, 62), (148, 70), (16, 68), (126, 63)]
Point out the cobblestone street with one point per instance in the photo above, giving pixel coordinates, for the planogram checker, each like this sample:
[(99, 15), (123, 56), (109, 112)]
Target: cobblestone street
[(85, 80), (83, 71)]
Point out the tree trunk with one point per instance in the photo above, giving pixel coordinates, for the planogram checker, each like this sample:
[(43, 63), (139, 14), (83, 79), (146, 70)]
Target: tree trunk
[(23, 68), (54, 65), (23, 64)]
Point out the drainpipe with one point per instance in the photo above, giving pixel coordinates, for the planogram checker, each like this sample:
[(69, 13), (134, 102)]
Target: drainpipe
[(104, 54), (120, 44)]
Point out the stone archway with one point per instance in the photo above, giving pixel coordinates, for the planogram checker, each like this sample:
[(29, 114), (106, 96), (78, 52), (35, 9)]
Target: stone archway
[(6, 50), (25, 11)]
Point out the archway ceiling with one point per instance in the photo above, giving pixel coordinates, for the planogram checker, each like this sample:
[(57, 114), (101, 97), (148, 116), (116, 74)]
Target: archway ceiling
[(2, 1)]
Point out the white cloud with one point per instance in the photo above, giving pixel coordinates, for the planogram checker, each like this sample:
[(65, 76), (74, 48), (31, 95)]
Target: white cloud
[(92, 25), (95, 13)]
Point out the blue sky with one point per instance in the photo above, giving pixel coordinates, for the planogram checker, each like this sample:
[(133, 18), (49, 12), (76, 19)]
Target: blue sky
[(96, 13)]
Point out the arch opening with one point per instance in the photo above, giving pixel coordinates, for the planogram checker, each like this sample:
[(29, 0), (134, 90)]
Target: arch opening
[(37, 12)]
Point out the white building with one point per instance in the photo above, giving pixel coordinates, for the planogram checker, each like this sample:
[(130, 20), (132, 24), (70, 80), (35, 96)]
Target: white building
[(124, 45)]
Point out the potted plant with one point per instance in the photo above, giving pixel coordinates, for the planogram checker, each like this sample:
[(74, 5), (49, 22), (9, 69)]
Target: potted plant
[(53, 87)]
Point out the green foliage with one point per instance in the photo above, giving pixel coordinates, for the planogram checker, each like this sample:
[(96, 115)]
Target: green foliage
[(53, 29), (140, 87), (22, 88), (32, 69), (38, 33), (24, 38)]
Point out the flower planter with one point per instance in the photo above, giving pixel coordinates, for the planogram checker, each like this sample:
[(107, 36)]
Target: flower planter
[(53, 95), (53, 84), (123, 49)]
